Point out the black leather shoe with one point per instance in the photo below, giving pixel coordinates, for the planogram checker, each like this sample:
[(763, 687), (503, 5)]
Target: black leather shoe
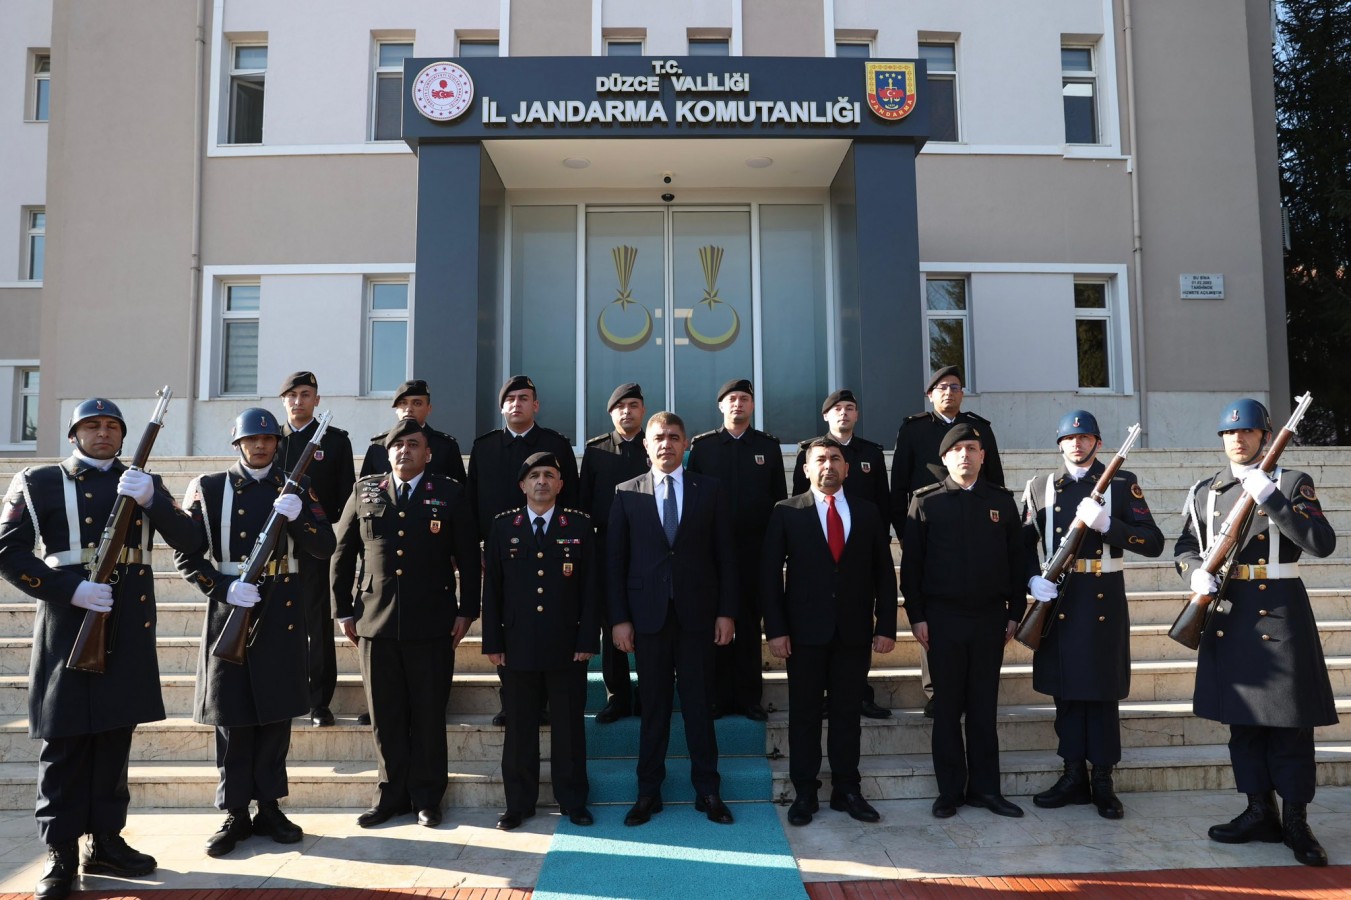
[(271, 822), (364, 719), (802, 810), (755, 712), (63, 862), (643, 810), (1070, 787), (1104, 793), (109, 854), (929, 708), (512, 819), (500, 720), (1259, 822), (379, 815), (612, 712), (944, 808), (321, 717), (234, 829), (578, 815), (429, 817), (996, 804), (714, 808), (853, 803), (871, 710), (1299, 838)]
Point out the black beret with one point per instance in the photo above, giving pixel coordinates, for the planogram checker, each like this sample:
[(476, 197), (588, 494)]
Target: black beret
[(843, 395), (962, 431), (534, 460), (403, 429), (944, 373), (632, 390), (736, 384), (415, 388), (298, 379), (515, 383)]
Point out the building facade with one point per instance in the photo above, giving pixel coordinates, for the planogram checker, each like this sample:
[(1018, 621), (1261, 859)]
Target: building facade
[(1081, 210)]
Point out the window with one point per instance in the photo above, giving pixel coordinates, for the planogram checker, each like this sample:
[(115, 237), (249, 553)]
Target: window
[(947, 323), (239, 339), (387, 92), (35, 244), (628, 47), (1092, 330), (386, 335), (248, 71), (478, 48), (853, 50), (26, 407), (1079, 86), (710, 47), (42, 87), (942, 96)]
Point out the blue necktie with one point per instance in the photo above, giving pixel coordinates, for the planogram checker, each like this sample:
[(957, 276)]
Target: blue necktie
[(670, 518)]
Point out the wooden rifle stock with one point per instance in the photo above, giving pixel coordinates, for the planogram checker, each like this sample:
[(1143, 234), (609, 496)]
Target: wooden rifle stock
[(92, 644), (1037, 621), (239, 628), (1191, 622)]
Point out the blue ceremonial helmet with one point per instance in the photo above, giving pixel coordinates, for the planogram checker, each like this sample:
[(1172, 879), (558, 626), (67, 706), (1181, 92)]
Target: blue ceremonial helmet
[(1077, 421), (254, 421), (95, 406), (1245, 413)]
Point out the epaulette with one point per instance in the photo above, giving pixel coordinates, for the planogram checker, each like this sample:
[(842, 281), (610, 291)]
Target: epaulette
[(1000, 487), (439, 433), (802, 445), (379, 438), (927, 489), (921, 415), (598, 440), (978, 417), (577, 512), (865, 442), (508, 512), (374, 477), (771, 437), (700, 437), (558, 434), (488, 434)]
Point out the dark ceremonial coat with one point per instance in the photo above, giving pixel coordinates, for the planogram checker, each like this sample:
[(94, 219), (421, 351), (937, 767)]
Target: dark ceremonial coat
[(495, 461), (446, 458), (916, 464)]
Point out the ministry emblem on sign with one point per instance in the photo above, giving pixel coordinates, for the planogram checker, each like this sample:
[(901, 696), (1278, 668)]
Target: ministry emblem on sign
[(443, 91), (891, 89)]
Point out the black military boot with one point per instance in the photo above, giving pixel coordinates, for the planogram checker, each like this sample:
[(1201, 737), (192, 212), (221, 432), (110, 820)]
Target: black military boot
[(1071, 787), (1259, 822), (234, 829), (63, 862), (109, 854), (1104, 793), (271, 822), (1299, 838)]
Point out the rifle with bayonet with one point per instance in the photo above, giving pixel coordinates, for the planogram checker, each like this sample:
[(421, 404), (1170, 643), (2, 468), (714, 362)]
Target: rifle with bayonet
[(94, 643), (1219, 558), (242, 624), (1037, 621)]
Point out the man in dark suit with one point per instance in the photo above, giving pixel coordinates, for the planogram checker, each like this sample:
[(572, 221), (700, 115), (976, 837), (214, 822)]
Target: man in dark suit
[(608, 460), (540, 595), (410, 530), (839, 549), (331, 477), (672, 593), (414, 401)]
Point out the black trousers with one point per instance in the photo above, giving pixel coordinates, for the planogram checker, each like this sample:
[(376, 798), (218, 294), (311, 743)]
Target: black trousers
[(738, 675), (1089, 730), (407, 688), (82, 785), (614, 663), (566, 693), (1279, 759), (965, 652), (840, 668), (251, 760), (665, 659), (323, 670)]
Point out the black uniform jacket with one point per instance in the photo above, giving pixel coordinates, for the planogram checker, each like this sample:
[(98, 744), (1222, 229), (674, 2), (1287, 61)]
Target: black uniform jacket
[(495, 461), (607, 461), (331, 471), (750, 469), (1087, 653), (446, 458), (540, 604), (63, 702), (272, 685), (409, 557), (854, 598), (867, 478), (963, 549), (1261, 661), (915, 463), (647, 577)]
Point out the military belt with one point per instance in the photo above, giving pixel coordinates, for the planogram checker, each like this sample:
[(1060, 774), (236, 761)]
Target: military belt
[(1099, 566), (130, 556), (1263, 573), (275, 567)]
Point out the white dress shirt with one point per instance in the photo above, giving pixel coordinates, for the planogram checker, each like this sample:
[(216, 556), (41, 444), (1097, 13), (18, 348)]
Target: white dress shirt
[(660, 488), (841, 507)]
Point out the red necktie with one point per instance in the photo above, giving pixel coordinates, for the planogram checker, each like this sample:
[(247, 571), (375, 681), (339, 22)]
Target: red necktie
[(834, 528)]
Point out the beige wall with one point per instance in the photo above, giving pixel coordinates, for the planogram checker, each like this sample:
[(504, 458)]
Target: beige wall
[(21, 313), (550, 28), (783, 28)]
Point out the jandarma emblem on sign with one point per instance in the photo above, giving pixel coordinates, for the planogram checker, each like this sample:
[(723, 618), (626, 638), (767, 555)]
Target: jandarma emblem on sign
[(891, 89), (443, 91)]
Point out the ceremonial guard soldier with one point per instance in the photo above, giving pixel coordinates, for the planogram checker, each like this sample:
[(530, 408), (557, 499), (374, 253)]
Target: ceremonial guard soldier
[(1084, 660), (331, 476), (407, 532), (252, 704), (1261, 669), (413, 401), (540, 596), (85, 720), (749, 465), (607, 461)]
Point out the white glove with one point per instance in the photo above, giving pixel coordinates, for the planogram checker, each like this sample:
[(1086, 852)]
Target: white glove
[(288, 505), (93, 597), (1258, 485), (1204, 583), (241, 593), (1093, 514), (139, 486), (1041, 589)]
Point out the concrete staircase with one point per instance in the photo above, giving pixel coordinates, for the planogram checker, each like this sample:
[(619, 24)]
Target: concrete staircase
[(1166, 747)]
